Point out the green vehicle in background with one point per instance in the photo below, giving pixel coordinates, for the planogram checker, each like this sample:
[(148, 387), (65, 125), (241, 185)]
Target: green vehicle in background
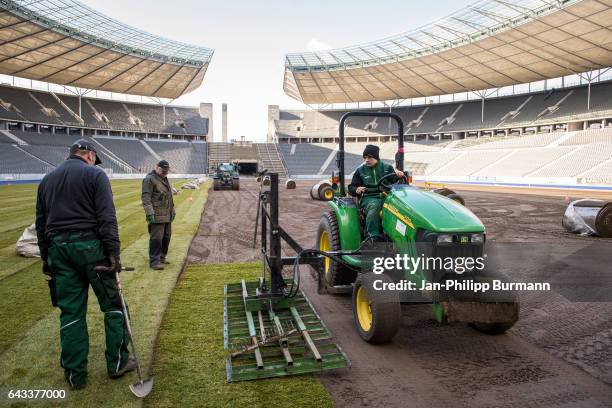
[(416, 223), (226, 176)]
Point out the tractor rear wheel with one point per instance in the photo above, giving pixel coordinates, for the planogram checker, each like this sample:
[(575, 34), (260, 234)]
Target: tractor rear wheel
[(377, 312), (328, 239), (216, 184), (456, 197)]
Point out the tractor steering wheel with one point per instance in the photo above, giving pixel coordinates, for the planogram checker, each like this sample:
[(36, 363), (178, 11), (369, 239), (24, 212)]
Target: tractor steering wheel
[(400, 180)]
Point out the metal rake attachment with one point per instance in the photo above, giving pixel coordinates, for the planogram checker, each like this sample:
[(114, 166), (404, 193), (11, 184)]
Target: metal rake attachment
[(264, 340), (271, 336)]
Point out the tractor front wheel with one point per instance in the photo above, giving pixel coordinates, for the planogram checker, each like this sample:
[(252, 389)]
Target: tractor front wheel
[(216, 184), (377, 312), (235, 184), (328, 239)]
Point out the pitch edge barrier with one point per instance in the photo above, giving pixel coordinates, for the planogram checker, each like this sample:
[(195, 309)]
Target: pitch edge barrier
[(6, 179), (549, 182)]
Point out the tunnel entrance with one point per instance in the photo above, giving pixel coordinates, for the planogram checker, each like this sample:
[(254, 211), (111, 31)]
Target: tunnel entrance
[(248, 168)]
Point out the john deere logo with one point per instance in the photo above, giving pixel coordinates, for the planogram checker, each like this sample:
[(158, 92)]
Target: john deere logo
[(464, 239)]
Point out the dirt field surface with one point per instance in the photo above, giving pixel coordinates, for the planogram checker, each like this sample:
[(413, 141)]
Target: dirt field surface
[(559, 354)]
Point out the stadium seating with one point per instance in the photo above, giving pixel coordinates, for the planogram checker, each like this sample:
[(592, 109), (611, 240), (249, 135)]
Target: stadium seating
[(469, 162), (581, 160), (522, 162), (131, 151), (434, 160), (43, 107), (53, 155), (6, 139), (533, 110), (303, 159), (184, 157), (517, 142), (601, 174), (590, 136), (24, 101), (15, 161), (46, 139), (351, 162)]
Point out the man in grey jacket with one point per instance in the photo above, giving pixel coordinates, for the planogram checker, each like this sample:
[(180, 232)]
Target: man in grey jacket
[(159, 210)]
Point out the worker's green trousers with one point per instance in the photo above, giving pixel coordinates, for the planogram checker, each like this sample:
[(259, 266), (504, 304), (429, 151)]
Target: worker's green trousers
[(72, 260), (372, 205)]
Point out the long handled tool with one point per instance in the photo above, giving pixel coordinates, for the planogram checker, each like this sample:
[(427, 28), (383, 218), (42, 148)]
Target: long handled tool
[(142, 387), (260, 175)]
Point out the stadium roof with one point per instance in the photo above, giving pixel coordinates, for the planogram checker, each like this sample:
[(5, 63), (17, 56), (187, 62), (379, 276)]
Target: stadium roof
[(68, 43), (490, 44)]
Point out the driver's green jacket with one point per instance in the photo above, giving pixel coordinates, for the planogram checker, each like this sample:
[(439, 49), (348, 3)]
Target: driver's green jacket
[(372, 200), (368, 177)]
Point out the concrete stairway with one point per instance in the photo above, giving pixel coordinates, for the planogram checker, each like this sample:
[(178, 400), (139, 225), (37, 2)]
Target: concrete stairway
[(270, 158), (218, 153)]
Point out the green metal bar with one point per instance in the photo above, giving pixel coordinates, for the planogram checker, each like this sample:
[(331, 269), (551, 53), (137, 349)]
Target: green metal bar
[(252, 331), (301, 367), (305, 334), (262, 327), (283, 341)]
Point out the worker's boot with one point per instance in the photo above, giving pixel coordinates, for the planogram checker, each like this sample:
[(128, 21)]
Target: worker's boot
[(157, 266), (79, 386), (129, 366)]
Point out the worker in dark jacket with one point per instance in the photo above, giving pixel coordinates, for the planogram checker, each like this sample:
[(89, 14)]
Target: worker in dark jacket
[(76, 227), (159, 210), (365, 185)]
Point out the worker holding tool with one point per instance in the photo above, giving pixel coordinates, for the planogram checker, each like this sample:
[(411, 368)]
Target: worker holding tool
[(77, 229), (159, 210), (365, 185)]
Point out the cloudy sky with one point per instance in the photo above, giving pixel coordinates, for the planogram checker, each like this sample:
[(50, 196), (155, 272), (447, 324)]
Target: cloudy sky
[(251, 37)]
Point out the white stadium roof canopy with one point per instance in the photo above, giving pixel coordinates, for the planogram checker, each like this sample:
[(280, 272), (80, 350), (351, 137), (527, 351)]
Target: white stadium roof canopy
[(490, 44), (68, 43)]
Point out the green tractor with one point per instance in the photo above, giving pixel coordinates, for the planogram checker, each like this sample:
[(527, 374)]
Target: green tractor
[(416, 223), (226, 176)]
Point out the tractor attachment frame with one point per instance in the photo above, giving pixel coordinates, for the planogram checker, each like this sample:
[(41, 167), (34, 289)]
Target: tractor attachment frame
[(268, 330)]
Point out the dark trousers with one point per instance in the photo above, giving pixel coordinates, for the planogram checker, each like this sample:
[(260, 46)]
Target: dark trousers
[(159, 239), (72, 261)]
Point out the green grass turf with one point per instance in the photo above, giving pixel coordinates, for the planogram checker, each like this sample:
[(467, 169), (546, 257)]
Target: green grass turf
[(29, 344), (190, 359)]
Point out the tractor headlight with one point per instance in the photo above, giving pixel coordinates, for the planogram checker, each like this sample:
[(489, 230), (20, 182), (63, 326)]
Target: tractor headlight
[(477, 239), (444, 239)]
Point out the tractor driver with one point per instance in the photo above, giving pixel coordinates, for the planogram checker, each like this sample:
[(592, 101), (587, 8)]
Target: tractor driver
[(365, 185)]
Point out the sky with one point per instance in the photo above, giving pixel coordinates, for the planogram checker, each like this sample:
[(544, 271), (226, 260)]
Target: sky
[(251, 38)]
